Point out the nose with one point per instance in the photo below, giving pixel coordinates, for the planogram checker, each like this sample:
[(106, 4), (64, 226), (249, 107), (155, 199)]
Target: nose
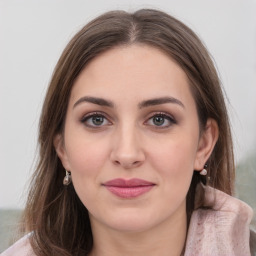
[(127, 149)]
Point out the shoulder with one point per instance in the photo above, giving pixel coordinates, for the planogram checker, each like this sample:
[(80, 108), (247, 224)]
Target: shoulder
[(21, 248)]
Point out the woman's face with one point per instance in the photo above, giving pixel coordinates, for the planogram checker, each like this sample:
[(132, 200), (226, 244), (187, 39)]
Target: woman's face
[(131, 139)]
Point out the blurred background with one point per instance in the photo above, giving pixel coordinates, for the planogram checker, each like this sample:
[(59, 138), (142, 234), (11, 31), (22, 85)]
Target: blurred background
[(33, 35)]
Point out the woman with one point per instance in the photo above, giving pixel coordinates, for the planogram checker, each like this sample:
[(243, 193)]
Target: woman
[(135, 122)]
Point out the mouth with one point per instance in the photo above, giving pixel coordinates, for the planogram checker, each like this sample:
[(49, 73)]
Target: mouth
[(128, 188)]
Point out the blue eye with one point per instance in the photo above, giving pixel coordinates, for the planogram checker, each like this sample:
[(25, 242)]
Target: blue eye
[(161, 120), (95, 120), (158, 120)]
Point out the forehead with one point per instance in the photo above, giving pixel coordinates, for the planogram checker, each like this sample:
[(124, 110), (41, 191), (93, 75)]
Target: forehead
[(132, 72)]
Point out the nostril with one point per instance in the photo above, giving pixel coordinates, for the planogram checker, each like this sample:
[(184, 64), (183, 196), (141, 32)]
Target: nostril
[(117, 162), (127, 165)]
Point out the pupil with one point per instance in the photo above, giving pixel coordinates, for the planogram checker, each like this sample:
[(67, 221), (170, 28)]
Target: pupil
[(158, 120), (97, 120)]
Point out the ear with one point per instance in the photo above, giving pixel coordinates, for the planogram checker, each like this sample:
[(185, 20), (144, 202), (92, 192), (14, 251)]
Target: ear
[(206, 143), (61, 151)]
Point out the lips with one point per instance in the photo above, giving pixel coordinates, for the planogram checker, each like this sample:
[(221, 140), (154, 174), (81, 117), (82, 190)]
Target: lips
[(128, 188)]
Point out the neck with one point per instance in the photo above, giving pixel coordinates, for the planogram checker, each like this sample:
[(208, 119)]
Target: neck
[(166, 239)]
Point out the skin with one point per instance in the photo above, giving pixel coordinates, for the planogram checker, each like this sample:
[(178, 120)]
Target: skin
[(159, 143)]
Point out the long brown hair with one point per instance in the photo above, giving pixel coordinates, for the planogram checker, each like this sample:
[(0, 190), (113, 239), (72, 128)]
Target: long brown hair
[(54, 213)]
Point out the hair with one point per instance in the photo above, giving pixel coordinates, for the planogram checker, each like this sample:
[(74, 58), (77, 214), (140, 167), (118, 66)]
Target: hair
[(58, 219)]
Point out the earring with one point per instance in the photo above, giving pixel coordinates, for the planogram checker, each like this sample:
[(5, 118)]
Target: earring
[(204, 171), (67, 178)]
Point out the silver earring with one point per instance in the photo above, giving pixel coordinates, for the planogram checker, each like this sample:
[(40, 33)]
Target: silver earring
[(67, 178), (204, 171)]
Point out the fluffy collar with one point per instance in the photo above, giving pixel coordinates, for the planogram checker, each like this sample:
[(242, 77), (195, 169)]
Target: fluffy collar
[(222, 229)]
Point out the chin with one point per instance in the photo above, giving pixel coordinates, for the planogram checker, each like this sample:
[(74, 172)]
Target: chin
[(131, 221)]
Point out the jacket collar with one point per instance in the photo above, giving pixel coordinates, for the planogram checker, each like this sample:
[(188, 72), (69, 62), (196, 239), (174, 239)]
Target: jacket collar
[(222, 229)]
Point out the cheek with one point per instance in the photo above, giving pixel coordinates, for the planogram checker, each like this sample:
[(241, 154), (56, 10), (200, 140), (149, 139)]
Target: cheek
[(174, 161), (86, 158), (86, 162), (177, 155)]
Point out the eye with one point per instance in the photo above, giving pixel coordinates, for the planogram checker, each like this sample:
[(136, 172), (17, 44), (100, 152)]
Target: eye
[(95, 120), (161, 120)]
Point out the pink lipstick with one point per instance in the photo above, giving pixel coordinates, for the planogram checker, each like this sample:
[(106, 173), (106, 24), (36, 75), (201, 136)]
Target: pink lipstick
[(128, 188)]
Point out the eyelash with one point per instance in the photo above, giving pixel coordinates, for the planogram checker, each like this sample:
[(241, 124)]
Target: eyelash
[(91, 115), (164, 115)]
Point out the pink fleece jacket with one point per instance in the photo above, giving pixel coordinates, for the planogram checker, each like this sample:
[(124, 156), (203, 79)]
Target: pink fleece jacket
[(222, 230)]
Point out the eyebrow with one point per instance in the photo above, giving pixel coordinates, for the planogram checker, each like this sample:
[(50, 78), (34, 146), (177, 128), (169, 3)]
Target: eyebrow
[(159, 101), (143, 104), (94, 100)]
